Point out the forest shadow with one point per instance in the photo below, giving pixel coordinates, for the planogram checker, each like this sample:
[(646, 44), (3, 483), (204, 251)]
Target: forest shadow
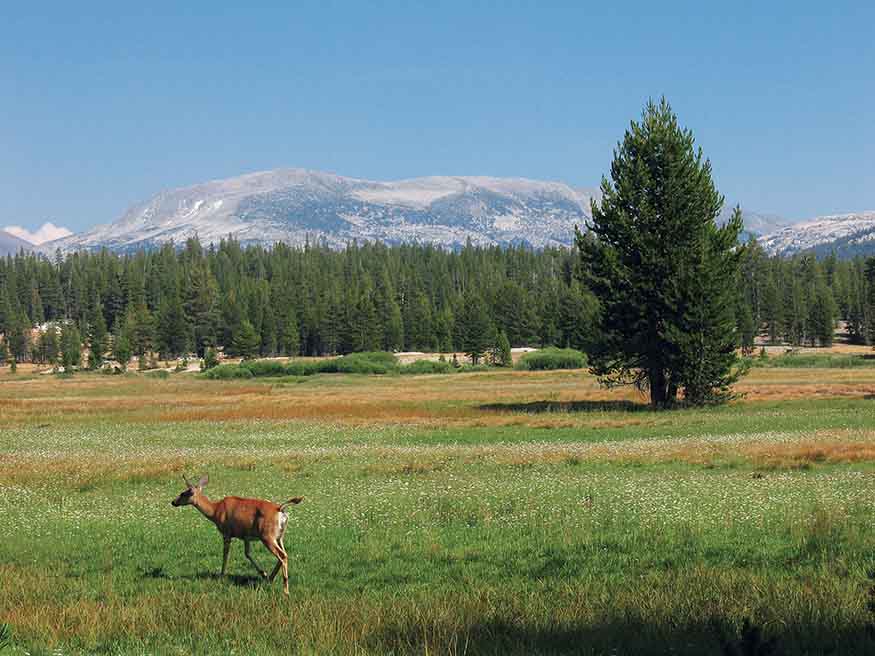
[(636, 636), (540, 407)]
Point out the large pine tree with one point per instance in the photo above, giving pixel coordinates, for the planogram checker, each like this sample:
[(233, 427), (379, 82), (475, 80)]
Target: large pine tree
[(664, 272)]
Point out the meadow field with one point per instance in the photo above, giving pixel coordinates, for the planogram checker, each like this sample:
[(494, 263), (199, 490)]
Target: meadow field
[(501, 512)]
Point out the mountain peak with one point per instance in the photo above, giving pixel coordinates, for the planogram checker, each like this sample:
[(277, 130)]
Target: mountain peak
[(292, 205), (48, 231)]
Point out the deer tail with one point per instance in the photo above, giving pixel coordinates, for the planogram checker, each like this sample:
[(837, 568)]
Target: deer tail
[(292, 501)]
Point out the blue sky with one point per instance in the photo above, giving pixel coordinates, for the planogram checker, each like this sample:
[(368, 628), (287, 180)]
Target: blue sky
[(102, 106)]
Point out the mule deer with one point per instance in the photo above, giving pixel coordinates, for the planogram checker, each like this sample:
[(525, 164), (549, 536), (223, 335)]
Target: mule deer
[(244, 519)]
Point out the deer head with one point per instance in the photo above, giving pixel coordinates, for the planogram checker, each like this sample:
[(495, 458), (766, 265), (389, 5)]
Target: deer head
[(187, 496)]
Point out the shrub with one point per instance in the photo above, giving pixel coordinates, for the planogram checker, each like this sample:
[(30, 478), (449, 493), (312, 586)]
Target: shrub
[(428, 367), (211, 359), (261, 368), (367, 362), (227, 372), (376, 362), (552, 358)]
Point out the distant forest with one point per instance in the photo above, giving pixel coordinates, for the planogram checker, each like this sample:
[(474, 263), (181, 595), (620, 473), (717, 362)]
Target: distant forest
[(316, 301)]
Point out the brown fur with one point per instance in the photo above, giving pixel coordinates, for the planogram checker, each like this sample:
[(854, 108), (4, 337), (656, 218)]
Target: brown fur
[(244, 519)]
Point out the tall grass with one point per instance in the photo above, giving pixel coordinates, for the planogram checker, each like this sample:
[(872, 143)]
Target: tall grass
[(814, 361)]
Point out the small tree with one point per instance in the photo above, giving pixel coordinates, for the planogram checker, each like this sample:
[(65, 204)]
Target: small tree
[(211, 359), (476, 327), (246, 341), (71, 347), (121, 348), (746, 328), (502, 350)]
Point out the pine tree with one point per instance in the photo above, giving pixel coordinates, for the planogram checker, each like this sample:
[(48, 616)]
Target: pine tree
[(578, 317), (477, 328), (48, 345), (746, 327), (870, 301), (246, 342), (773, 310), (97, 335), (663, 271), (122, 349), (502, 351), (71, 346), (172, 329), (822, 315)]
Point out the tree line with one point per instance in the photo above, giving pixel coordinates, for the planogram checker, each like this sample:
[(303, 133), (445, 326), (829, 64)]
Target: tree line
[(253, 301), (318, 301)]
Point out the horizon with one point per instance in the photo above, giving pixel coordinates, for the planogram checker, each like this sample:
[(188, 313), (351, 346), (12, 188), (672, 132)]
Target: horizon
[(109, 108)]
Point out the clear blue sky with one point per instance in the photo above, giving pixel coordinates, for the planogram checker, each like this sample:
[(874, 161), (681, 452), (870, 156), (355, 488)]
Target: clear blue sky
[(102, 106)]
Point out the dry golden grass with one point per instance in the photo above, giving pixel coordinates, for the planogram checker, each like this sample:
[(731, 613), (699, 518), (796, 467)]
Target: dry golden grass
[(475, 400)]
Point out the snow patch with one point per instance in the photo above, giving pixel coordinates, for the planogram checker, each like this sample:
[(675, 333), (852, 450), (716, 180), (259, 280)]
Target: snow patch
[(46, 232)]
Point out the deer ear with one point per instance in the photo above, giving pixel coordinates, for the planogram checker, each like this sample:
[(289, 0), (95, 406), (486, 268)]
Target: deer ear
[(203, 482)]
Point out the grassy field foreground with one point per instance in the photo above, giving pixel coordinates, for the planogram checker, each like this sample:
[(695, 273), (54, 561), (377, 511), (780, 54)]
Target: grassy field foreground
[(498, 513)]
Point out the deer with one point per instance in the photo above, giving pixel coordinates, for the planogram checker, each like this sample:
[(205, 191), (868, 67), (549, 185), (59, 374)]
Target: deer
[(244, 519)]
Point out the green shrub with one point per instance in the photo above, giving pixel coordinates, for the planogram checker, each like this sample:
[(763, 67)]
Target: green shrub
[(428, 367), (261, 368), (552, 358), (368, 362), (211, 359), (376, 362), (227, 372)]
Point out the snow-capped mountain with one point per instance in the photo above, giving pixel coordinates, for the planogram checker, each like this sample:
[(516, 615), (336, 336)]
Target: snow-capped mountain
[(10, 244), (846, 235), (46, 232), (293, 205)]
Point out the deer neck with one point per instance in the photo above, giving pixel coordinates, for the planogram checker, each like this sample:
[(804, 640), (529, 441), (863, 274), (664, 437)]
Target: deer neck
[(206, 507)]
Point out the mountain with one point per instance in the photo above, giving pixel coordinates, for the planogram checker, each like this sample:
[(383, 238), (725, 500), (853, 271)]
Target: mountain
[(293, 205), (847, 235), (46, 232), (755, 223), (10, 244), (296, 205)]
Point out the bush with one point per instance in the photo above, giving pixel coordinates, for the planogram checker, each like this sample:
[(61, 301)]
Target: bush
[(552, 358), (367, 362), (261, 368), (211, 359), (428, 367), (227, 372), (376, 362)]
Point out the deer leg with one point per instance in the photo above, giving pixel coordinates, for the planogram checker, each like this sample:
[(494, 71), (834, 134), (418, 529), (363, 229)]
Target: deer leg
[(225, 553), (252, 560), (283, 561)]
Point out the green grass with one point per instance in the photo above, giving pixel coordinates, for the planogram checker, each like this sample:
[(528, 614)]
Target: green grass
[(815, 361), (440, 539)]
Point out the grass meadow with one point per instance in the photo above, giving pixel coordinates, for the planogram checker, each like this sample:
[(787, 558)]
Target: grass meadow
[(507, 512)]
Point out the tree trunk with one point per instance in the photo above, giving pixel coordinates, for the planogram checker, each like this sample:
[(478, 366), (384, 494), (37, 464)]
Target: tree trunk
[(658, 391)]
